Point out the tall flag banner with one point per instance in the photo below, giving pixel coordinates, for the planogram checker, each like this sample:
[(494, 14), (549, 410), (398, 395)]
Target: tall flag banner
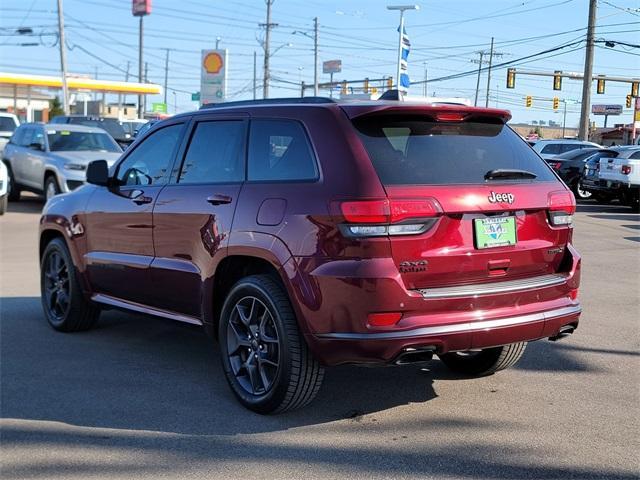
[(404, 75)]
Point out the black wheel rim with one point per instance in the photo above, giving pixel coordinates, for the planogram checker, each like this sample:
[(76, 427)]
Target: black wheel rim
[(253, 347), (56, 286)]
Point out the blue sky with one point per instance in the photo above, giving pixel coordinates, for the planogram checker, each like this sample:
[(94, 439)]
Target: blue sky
[(445, 36)]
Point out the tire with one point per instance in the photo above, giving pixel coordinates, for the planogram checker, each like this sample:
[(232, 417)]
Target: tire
[(484, 362), (51, 188), (632, 199), (579, 192), (598, 197), (297, 376), (3, 204), (65, 307), (14, 189)]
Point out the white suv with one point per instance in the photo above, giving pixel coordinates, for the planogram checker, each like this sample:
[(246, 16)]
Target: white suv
[(8, 124), (622, 174), (548, 149)]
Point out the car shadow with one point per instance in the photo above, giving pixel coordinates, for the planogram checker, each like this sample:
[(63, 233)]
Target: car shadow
[(29, 203), (142, 373)]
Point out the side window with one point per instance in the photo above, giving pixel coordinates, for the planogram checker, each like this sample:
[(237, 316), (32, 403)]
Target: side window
[(27, 137), (635, 156), (18, 136), (38, 136), (279, 150), (551, 148), (215, 153), (149, 163)]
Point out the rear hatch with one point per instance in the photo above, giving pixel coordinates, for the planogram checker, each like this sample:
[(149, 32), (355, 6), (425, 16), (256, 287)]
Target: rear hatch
[(468, 200)]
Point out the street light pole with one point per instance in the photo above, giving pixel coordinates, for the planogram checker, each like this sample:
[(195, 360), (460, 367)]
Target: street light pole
[(63, 59), (486, 102), (315, 57), (475, 102), (402, 9), (166, 75)]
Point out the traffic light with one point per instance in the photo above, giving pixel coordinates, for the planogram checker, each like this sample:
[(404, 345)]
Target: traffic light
[(366, 85), (634, 89), (528, 101), (629, 99), (557, 80), (511, 78), (556, 103), (600, 86)]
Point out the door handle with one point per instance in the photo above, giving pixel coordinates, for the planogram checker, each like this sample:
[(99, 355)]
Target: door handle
[(138, 197), (218, 199)]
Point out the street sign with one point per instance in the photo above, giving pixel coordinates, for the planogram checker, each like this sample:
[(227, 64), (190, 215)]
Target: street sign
[(606, 109), (213, 77), (195, 97), (159, 107), (332, 66), (140, 8)]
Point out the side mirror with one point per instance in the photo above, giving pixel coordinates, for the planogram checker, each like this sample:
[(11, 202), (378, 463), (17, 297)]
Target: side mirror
[(98, 173), (36, 146)]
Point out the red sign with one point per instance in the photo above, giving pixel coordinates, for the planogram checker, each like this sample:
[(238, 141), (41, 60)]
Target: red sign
[(140, 8)]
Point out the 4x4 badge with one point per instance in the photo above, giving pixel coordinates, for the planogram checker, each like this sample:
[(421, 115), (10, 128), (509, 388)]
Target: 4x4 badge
[(501, 197)]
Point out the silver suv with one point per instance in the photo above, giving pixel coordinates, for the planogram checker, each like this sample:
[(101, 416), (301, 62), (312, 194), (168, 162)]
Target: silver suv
[(53, 159), (548, 149)]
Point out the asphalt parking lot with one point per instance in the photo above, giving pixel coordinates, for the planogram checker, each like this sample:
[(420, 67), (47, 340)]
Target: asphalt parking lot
[(145, 398)]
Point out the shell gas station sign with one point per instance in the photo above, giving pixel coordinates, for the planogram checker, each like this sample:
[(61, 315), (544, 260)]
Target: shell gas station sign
[(213, 77)]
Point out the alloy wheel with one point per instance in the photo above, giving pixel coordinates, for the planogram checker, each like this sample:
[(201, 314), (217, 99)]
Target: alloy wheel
[(253, 347), (56, 286), (582, 194)]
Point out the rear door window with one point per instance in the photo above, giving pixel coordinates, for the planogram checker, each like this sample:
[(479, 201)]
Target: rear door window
[(279, 150), (409, 150), (215, 154), (552, 148)]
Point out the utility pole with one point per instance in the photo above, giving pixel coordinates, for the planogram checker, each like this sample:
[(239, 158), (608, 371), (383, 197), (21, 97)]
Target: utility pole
[(166, 74), (140, 65), (315, 57), (475, 102), (486, 102), (218, 42), (144, 98), (63, 59), (424, 85), (126, 79), (267, 38), (583, 132), (255, 74), (564, 117)]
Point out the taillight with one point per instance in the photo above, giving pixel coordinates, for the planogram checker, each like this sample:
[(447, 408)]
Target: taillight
[(626, 169), (555, 165), (374, 218), (383, 319), (562, 206)]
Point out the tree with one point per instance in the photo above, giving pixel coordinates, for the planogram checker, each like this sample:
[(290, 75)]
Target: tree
[(55, 108)]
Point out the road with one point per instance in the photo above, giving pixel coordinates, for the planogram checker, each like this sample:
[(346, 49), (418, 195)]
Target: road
[(145, 398)]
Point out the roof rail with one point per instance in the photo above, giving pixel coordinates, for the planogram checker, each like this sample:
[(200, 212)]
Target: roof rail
[(269, 101)]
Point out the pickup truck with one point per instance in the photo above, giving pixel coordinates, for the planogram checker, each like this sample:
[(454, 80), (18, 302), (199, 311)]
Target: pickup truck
[(621, 175)]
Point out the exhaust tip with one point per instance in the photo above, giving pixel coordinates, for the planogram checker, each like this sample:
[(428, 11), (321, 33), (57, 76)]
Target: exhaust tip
[(564, 332), (415, 355)]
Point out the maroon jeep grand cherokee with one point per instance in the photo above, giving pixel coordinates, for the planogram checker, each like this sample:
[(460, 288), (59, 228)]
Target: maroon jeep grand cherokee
[(304, 233)]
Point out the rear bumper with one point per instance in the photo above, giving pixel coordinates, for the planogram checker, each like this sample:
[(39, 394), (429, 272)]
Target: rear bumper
[(443, 319), (384, 347)]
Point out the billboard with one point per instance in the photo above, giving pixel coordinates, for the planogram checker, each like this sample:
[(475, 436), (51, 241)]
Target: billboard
[(332, 66), (140, 8), (606, 109), (213, 76)]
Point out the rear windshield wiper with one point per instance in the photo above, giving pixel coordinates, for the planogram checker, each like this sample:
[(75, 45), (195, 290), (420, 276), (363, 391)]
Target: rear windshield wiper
[(502, 173)]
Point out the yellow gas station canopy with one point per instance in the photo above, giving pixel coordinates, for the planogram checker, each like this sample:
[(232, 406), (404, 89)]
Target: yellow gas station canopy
[(76, 83)]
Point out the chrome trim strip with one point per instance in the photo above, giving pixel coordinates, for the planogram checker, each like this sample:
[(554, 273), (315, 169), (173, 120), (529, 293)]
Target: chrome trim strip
[(542, 281), (136, 307), (118, 259), (457, 327)]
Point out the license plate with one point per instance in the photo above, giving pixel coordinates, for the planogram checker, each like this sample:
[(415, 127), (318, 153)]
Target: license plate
[(494, 232)]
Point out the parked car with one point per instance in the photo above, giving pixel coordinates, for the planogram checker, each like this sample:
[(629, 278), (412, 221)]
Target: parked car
[(144, 128), (572, 168), (132, 126), (8, 124), (113, 126), (621, 175), (591, 177), (4, 186), (303, 233), (53, 158), (551, 148)]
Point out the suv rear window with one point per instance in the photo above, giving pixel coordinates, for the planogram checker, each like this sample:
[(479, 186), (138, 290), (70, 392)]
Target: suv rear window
[(418, 151)]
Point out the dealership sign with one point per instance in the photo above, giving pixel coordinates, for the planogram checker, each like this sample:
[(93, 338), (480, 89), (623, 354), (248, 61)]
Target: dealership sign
[(139, 8), (606, 109), (213, 76), (332, 66)]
